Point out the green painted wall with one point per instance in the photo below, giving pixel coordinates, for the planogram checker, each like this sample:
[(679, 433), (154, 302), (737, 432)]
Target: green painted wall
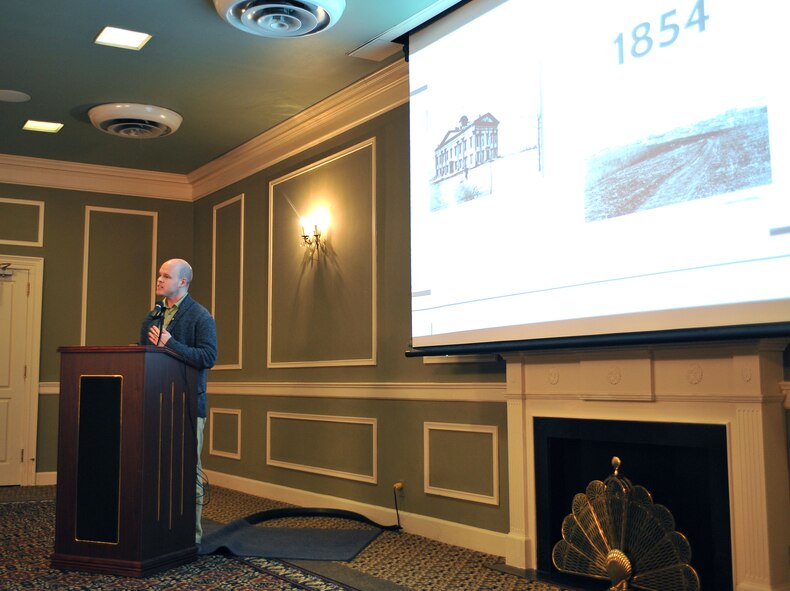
[(47, 436), (400, 443), (64, 225), (185, 230), (62, 251), (400, 452), (393, 277)]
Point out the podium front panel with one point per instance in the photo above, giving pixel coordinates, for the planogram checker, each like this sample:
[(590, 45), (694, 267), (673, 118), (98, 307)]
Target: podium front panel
[(99, 459)]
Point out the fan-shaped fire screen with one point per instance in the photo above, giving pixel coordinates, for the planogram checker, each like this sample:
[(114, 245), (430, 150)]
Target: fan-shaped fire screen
[(616, 532)]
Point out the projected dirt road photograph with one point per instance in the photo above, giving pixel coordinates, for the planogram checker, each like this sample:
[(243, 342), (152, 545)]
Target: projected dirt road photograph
[(726, 153)]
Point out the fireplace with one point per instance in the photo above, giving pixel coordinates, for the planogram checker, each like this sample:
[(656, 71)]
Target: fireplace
[(674, 409), (684, 466)]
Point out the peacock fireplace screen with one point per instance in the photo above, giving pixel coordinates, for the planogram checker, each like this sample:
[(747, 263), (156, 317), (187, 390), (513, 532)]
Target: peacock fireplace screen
[(616, 532)]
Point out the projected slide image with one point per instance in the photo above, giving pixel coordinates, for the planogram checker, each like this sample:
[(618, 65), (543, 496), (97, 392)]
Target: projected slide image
[(468, 158), (726, 153), (470, 185)]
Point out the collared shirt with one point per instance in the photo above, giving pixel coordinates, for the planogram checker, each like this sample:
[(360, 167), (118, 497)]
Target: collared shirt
[(171, 311)]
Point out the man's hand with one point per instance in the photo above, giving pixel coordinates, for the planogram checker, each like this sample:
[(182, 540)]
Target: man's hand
[(154, 336)]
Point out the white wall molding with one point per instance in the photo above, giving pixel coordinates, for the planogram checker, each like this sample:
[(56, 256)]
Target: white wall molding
[(59, 174), (49, 388), (448, 532), (46, 478), (213, 413), (467, 392), (362, 101), (448, 392), (240, 304), (371, 422), (86, 253), (278, 251), (370, 97), (431, 489), (39, 241)]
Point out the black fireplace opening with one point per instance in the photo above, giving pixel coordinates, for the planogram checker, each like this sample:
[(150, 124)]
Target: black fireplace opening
[(683, 465)]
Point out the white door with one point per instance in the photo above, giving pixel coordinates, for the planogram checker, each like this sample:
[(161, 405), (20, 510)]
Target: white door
[(14, 310)]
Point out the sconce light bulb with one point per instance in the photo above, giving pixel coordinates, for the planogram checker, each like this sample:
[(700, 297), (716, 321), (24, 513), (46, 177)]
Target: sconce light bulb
[(320, 219)]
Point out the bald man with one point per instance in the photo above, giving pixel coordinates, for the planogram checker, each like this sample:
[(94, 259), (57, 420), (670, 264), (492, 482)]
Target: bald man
[(189, 330)]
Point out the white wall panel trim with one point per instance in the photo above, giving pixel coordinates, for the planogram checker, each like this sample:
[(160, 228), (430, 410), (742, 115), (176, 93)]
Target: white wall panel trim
[(372, 422), (493, 431), (216, 452)]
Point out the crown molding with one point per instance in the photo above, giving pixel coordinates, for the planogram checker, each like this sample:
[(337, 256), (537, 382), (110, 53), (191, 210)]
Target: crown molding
[(366, 99), (59, 174)]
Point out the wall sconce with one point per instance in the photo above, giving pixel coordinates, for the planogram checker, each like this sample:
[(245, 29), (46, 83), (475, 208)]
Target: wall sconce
[(313, 226), (310, 238)]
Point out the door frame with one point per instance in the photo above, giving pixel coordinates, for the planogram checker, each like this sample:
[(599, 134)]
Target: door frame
[(35, 268)]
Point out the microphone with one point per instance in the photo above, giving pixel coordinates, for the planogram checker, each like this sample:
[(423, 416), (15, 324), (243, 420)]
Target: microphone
[(158, 314), (159, 310)]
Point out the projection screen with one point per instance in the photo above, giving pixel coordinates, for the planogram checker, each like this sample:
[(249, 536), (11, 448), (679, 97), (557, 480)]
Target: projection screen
[(587, 169)]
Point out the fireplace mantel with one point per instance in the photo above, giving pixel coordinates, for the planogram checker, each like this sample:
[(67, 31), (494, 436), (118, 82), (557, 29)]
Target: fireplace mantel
[(737, 384)]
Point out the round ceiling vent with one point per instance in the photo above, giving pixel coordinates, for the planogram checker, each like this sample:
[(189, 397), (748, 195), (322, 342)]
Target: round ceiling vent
[(134, 121), (281, 18), (14, 96)]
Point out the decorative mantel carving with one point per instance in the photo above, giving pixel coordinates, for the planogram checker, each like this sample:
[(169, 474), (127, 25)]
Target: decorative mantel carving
[(732, 372)]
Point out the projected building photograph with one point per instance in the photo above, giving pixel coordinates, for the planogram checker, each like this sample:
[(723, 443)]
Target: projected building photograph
[(462, 150), (719, 155), (468, 158)]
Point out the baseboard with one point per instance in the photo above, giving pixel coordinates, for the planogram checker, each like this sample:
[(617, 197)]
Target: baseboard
[(457, 534), (761, 586), (46, 478)]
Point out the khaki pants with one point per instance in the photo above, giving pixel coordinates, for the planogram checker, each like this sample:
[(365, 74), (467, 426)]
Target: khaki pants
[(201, 422)]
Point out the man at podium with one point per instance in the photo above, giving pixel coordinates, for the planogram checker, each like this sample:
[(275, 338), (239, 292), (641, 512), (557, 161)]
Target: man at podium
[(181, 324)]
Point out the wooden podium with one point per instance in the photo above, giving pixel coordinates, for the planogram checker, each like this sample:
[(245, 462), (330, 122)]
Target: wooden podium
[(126, 461)]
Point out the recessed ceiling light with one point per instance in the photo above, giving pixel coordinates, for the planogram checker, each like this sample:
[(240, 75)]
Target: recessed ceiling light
[(45, 126), (122, 38), (13, 96)]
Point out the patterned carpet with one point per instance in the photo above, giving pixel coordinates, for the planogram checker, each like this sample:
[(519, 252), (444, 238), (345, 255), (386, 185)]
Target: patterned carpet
[(395, 561), (408, 560), (27, 532)]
